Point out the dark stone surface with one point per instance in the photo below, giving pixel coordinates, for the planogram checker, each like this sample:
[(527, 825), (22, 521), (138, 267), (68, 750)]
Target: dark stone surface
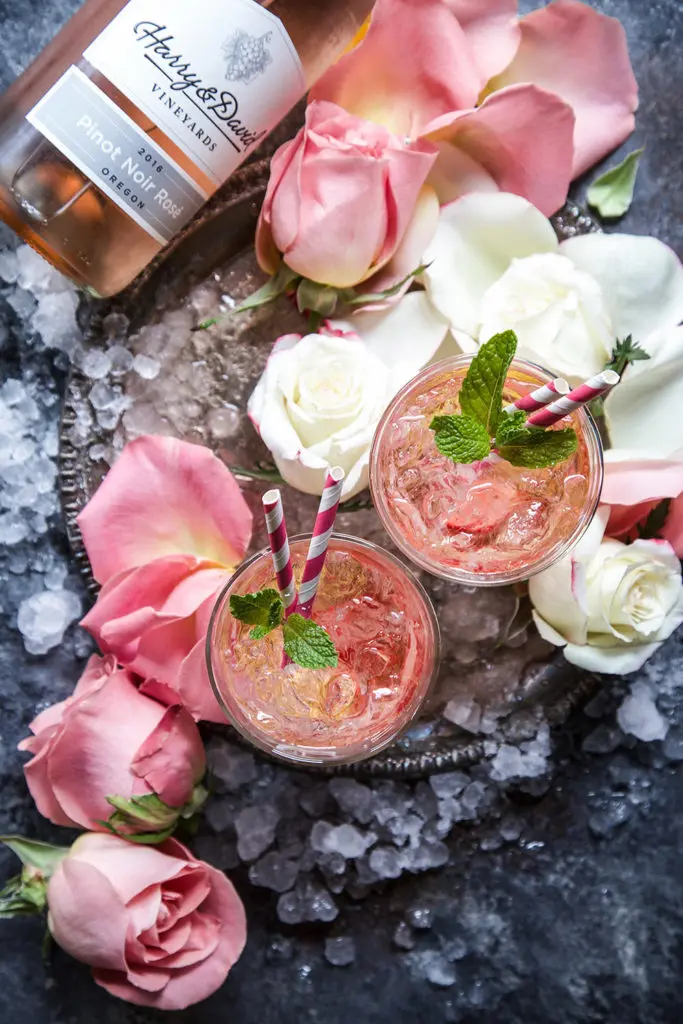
[(569, 926)]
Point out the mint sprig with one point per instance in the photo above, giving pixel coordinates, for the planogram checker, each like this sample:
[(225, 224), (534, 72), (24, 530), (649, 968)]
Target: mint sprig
[(484, 426), (624, 352), (305, 642)]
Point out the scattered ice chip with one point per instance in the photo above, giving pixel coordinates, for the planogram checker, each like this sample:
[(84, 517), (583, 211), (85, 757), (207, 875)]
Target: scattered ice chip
[(255, 827), (231, 766), (309, 901), (403, 936), (605, 738), (115, 325), (55, 320), (386, 862), (343, 839), (223, 423), (465, 712), (340, 951), (638, 715), (96, 363), (273, 871), (449, 783), (420, 916), (121, 360), (604, 820), (673, 745), (44, 617), (146, 367)]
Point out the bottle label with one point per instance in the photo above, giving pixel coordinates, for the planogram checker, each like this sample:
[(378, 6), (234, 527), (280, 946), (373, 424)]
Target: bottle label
[(213, 75), (110, 149)]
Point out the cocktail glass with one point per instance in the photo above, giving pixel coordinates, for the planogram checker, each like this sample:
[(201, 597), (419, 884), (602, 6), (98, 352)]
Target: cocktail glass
[(486, 523), (386, 634)]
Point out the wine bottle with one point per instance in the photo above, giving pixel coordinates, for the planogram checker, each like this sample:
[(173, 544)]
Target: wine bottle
[(140, 109)]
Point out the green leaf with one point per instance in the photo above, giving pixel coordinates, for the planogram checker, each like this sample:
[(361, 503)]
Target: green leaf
[(362, 300), (268, 292), (44, 857), (612, 193), (481, 394), (510, 425), (654, 524), (22, 896), (460, 438), (624, 352), (264, 610), (316, 298), (536, 448), (308, 644)]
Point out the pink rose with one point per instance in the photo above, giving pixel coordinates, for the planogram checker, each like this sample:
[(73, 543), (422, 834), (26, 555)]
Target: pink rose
[(158, 927), (518, 105), (109, 739), (345, 197), (164, 532), (635, 485)]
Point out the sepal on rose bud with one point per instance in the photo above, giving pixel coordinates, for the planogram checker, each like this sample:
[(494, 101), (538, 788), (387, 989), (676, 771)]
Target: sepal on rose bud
[(147, 819), (27, 893)]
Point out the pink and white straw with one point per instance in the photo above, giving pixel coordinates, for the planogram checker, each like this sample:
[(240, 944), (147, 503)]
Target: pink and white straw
[(279, 546), (322, 531), (584, 393), (541, 397)]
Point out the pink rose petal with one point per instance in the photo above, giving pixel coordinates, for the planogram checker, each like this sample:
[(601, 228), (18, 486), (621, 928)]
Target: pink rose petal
[(415, 64), (582, 56), (164, 497), (503, 137)]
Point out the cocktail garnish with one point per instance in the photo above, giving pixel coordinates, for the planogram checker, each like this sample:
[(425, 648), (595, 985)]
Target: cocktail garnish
[(305, 642), (485, 426)]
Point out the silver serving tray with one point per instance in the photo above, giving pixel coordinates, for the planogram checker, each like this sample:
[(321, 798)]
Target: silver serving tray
[(490, 651)]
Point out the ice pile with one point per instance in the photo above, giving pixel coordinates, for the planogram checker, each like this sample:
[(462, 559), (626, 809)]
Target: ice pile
[(308, 840), (36, 593)]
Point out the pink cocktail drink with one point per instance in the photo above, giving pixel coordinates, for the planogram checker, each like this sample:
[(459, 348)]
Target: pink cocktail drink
[(386, 635), (486, 522)]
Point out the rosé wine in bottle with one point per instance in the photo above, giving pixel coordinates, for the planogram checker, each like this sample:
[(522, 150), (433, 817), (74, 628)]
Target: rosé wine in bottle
[(387, 638), (487, 522), (140, 109)]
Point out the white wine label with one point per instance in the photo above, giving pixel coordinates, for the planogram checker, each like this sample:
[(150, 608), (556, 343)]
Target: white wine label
[(214, 75), (121, 159)]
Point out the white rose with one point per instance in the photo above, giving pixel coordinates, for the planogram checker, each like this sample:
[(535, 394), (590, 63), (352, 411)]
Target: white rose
[(610, 605), (495, 263), (557, 312), (321, 397)]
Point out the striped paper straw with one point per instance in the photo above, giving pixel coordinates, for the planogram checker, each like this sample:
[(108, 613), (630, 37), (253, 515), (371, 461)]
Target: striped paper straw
[(540, 397), (279, 546), (584, 393), (322, 531)]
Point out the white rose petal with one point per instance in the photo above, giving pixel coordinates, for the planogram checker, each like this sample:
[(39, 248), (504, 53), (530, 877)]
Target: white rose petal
[(477, 238), (558, 313), (629, 601), (644, 412), (641, 278)]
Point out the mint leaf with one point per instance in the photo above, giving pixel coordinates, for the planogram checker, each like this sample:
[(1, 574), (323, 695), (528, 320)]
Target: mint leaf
[(308, 644), (481, 394), (624, 352), (536, 448), (612, 193), (264, 610), (510, 425), (460, 438)]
